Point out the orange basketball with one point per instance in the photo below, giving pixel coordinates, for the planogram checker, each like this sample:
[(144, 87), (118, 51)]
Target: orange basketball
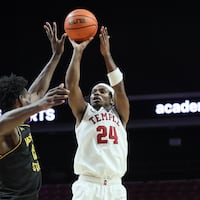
[(80, 25)]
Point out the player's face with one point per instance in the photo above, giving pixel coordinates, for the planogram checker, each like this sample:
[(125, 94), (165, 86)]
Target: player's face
[(100, 96)]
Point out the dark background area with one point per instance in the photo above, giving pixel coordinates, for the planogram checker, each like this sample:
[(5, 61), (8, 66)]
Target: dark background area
[(155, 44)]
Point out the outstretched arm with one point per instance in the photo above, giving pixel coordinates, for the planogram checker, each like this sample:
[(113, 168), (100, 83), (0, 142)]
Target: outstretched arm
[(42, 82), (72, 78), (11, 119), (115, 77)]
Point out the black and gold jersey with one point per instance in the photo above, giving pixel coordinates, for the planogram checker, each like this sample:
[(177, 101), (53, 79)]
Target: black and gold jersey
[(20, 173)]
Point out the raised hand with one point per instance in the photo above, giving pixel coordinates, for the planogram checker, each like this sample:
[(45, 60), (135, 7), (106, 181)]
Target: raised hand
[(104, 41), (54, 97), (57, 44)]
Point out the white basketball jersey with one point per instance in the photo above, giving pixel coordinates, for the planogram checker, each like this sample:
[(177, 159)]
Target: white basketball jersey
[(102, 144)]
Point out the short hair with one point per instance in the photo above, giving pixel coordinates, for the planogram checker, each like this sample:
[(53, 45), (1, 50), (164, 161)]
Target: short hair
[(11, 87)]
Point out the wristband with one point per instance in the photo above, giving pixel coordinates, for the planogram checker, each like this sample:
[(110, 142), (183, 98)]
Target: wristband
[(115, 77)]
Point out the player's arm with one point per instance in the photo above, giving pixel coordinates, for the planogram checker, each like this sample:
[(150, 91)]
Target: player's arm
[(76, 100), (121, 100), (11, 119), (42, 81), (115, 77)]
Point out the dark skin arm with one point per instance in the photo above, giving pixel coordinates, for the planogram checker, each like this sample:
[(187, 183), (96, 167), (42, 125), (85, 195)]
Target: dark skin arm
[(11, 119), (120, 98), (42, 82), (76, 100)]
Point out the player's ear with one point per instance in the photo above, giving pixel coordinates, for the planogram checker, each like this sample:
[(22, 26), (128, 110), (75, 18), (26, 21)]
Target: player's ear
[(112, 100), (20, 101)]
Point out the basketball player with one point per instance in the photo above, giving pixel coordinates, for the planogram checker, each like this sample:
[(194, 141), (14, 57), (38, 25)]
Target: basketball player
[(101, 156), (20, 172)]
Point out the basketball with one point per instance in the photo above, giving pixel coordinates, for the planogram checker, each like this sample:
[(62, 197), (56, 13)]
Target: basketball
[(80, 25)]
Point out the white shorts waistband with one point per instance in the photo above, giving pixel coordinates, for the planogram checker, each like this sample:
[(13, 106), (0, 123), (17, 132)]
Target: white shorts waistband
[(102, 181)]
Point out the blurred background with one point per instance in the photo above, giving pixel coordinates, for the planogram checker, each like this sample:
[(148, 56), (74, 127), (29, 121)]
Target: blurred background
[(156, 45)]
